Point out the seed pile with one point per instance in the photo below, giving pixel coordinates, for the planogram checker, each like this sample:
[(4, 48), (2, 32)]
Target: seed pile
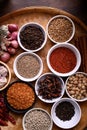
[(37, 120), (28, 66), (32, 37), (65, 111), (60, 29), (50, 87), (77, 86)]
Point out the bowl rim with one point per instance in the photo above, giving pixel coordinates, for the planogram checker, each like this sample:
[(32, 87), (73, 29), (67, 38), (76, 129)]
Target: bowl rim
[(61, 16), (78, 100), (73, 103), (72, 48), (41, 109), (9, 75), (37, 25), (47, 100), (21, 77)]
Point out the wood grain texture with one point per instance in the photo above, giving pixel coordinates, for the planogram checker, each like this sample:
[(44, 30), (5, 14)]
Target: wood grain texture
[(42, 16)]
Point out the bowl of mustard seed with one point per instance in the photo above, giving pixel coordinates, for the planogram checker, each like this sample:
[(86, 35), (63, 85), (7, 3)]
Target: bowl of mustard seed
[(60, 29), (32, 37), (28, 66)]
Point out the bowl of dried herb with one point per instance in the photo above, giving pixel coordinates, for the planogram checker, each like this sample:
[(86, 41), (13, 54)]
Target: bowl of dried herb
[(32, 37), (66, 113)]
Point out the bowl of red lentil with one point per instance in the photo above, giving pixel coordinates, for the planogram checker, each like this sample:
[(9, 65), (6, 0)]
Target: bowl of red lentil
[(63, 59), (37, 119), (66, 113), (28, 66), (60, 29), (49, 87), (32, 37), (76, 86), (20, 96)]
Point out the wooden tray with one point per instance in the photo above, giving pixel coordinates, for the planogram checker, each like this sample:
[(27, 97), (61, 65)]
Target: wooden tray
[(42, 16)]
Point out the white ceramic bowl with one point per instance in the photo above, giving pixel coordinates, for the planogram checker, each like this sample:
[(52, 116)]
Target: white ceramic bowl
[(40, 68), (76, 86), (68, 123), (8, 77), (38, 26), (59, 29), (74, 50), (37, 119), (44, 77)]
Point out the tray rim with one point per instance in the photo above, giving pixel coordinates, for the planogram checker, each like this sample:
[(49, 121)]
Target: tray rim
[(42, 9)]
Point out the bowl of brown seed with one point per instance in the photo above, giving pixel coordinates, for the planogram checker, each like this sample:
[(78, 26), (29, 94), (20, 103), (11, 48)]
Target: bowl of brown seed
[(32, 37), (60, 29), (76, 86), (49, 87), (28, 66)]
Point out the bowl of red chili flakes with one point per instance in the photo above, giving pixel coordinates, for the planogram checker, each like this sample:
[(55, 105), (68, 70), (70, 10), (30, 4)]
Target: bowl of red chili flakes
[(63, 59)]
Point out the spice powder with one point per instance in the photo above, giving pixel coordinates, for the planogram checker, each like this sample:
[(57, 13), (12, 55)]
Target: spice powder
[(63, 60), (28, 66)]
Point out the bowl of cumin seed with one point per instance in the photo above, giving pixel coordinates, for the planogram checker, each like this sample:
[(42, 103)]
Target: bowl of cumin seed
[(28, 66)]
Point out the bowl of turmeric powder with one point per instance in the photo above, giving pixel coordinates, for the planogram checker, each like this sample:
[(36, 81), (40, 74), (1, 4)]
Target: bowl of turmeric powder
[(63, 59)]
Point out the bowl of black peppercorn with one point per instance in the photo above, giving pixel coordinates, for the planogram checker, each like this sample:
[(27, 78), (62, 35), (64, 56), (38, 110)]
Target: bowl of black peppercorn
[(32, 37), (66, 113)]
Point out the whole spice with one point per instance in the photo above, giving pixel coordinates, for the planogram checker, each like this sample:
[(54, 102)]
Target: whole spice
[(50, 87), (77, 86), (31, 37), (65, 111), (60, 29), (63, 60), (28, 64), (37, 120), (20, 96)]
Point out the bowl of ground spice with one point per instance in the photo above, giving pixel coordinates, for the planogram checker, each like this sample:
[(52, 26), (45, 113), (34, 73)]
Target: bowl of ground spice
[(63, 59), (76, 86), (37, 119), (32, 37), (49, 87), (28, 66), (19, 96), (66, 113), (60, 28)]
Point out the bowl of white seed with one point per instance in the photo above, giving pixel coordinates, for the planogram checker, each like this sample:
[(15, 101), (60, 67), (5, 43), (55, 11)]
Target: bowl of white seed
[(76, 86), (60, 29), (37, 119)]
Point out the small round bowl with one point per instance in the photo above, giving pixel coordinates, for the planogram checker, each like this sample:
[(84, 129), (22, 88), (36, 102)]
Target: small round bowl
[(11, 100), (76, 86), (8, 76), (60, 29), (39, 118), (28, 66), (34, 41), (72, 49), (49, 88), (67, 124)]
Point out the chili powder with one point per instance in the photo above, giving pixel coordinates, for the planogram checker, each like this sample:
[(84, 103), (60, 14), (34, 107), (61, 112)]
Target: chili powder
[(63, 60)]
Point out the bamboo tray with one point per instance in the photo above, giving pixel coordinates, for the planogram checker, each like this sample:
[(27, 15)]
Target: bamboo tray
[(42, 15)]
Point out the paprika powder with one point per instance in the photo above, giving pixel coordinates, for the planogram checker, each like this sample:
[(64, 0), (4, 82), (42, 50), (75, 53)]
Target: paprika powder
[(63, 60)]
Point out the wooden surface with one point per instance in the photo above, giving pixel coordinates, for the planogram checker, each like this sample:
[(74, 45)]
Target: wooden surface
[(42, 16)]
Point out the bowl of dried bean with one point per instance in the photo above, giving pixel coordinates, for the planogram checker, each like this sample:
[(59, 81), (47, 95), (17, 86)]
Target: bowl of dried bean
[(76, 86), (32, 37), (37, 119), (66, 113), (49, 87), (5, 75), (28, 66), (63, 59), (60, 29)]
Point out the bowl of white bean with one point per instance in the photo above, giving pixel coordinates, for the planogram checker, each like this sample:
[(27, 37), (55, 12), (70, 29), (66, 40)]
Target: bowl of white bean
[(76, 86), (37, 119)]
